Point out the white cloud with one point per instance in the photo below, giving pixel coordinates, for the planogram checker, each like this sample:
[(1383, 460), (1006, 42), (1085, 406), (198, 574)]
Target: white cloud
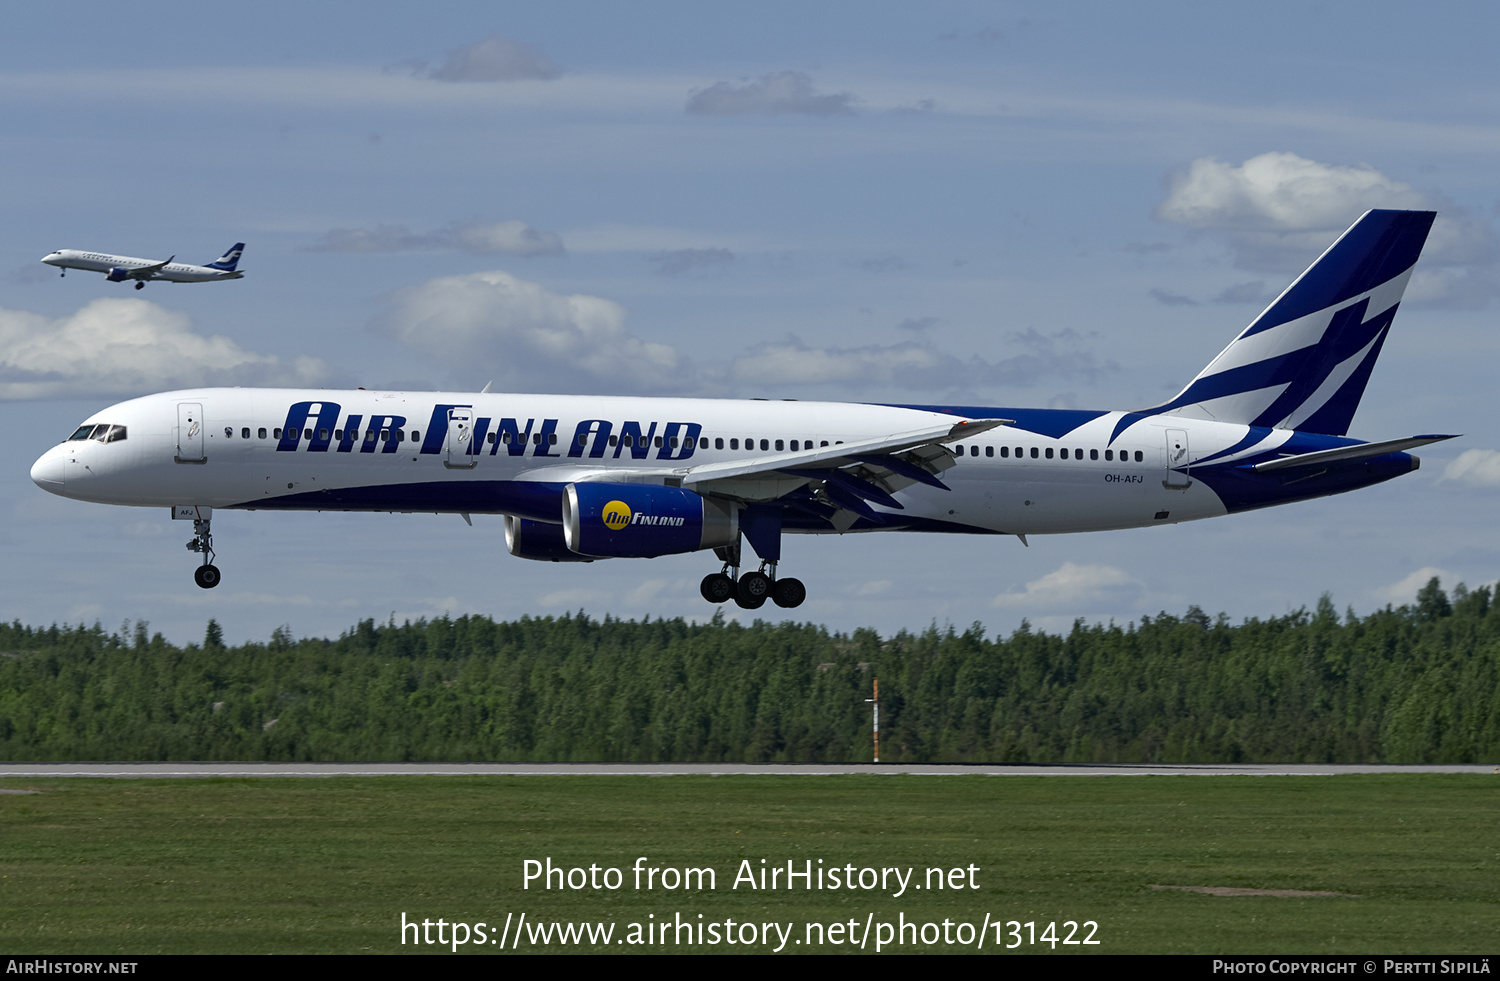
[(773, 94), (1280, 192), (536, 340), (1405, 591), (533, 339), (125, 347), (475, 237), (919, 365), (495, 59), (1477, 468), (1279, 210), (1074, 587)]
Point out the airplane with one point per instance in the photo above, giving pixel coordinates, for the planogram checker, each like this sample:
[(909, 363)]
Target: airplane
[(584, 478), (119, 268)]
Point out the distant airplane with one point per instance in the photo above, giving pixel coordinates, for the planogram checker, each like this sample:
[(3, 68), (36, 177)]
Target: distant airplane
[(580, 478), (119, 268)]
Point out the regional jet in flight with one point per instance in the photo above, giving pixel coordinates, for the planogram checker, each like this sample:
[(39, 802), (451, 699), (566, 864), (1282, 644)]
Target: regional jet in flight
[(119, 268), (583, 478)]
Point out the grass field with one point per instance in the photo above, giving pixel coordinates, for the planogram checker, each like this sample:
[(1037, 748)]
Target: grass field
[(330, 865)]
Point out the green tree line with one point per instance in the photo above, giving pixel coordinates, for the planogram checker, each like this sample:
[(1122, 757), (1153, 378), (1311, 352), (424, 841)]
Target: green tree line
[(1413, 684)]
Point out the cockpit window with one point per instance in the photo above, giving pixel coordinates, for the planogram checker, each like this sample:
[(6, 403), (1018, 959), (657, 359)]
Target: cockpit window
[(103, 432)]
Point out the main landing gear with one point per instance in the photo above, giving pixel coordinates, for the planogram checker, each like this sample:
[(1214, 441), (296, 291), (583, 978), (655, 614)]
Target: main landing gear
[(140, 284), (207, 574), (752, 589)]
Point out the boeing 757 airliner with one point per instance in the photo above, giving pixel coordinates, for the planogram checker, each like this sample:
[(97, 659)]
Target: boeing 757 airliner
[(119, 268), (580, 478)]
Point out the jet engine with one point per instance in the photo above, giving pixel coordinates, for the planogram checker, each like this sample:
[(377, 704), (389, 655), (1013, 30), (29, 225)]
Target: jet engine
[(118, 275), (528, 539), (644, 520)]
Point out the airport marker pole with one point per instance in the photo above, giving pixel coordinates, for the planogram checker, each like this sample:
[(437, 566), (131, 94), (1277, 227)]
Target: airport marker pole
[(876, 702)]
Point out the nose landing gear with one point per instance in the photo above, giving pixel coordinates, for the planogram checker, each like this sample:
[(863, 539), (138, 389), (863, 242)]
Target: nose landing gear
[(207, 574)]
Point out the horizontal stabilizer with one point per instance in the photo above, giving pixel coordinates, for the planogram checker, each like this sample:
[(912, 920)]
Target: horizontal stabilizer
[(1346, 454)]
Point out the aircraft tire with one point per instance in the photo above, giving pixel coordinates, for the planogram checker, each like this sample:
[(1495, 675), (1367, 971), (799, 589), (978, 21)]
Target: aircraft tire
[(754, 586), (717, 588), (788, 593), (746, 603), (140, 285), (206, 576)]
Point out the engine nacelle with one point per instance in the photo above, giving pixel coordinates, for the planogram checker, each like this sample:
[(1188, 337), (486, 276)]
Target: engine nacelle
[(528, 539), (644, 520), (118, 275)]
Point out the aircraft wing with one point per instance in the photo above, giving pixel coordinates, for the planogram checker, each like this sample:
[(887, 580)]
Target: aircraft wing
[(824, 481), (149, 272)]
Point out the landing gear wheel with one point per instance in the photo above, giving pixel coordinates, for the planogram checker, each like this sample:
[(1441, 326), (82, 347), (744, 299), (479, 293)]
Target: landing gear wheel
[(754, 588), (206, 576), (717, 588), (140, 285), (788, 592)]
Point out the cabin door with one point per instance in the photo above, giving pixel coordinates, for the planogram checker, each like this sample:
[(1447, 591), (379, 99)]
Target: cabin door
[(189, 432), (1177, 459), (462, 454)]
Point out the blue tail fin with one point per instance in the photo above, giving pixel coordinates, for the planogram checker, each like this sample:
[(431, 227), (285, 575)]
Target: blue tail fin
[(229, 259), (1304, 362)]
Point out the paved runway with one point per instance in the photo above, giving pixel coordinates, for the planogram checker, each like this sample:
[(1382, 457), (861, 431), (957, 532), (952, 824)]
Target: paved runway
[(159, 770)]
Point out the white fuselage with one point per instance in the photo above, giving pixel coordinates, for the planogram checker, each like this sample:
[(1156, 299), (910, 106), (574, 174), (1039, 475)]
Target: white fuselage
[(392, 451)]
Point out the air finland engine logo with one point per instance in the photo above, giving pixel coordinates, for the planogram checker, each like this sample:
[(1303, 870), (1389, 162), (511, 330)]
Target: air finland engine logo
[(616, 515)]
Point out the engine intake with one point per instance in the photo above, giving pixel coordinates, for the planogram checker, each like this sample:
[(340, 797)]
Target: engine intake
[(118, 275), (644, 520)]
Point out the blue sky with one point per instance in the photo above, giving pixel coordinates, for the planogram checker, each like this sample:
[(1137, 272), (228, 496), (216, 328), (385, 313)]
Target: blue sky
[(1014, 204)]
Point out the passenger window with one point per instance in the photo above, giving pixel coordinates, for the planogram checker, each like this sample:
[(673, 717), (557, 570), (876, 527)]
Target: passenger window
[(552, 439), (687, 442), (958, 451), (278, 432), (674, 442), (490, 439), (718, 442), (1034, 453), (824, 443), (989, 451), (765, 444), (323, 434), (658, 442), (1109, 455), (1049, 452), (778, 446), (228, 433), (614, 441), (536, 439), (583, 439), (973, 451), (385, 435), (794, 445), (415, 435), (1093, 454), (261, 432), (734, 444), (1005, 451), (1139, 457)]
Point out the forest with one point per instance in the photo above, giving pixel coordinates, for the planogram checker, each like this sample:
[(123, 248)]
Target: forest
[(1408, 684)]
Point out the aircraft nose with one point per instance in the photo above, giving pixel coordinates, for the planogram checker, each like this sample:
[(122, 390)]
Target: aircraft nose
[(48, 471)]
